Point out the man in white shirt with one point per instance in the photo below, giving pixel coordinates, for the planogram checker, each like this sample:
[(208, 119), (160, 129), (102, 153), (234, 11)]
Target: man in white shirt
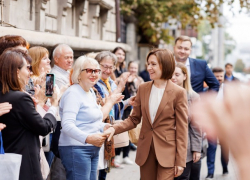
[(63, 61), (212, 145)]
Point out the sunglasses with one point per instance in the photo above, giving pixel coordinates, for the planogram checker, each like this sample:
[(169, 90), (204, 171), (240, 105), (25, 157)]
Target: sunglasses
[(91, 71)]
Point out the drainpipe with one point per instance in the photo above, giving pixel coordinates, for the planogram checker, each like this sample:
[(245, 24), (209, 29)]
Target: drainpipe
[(118, 21)]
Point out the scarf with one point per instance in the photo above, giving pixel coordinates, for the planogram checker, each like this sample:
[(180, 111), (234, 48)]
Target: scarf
[(106, 81), (109, 148)]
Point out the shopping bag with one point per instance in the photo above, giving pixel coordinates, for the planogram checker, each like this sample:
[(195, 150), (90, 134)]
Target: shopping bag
[(10, 164), (121, 140), (135, 133)]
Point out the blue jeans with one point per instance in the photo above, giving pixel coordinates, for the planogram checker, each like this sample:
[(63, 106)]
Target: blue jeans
[(211, 152), (80, 162)]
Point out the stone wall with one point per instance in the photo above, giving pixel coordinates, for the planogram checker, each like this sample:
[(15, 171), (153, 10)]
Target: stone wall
[(73, 22)]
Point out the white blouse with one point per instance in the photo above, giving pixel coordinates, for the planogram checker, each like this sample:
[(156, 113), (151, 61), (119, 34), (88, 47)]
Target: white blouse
[(154, 101)]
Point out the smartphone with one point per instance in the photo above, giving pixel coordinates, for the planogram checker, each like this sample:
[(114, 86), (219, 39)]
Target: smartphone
[(50, 83)]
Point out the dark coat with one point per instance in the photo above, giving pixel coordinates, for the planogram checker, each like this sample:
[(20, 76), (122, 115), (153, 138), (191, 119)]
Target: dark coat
[(200, 72), (145, 75), (21, 136)]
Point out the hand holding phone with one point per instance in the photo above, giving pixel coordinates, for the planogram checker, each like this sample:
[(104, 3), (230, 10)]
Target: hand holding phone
[(50, 83)]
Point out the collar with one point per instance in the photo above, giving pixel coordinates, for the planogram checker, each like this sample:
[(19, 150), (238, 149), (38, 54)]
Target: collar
[(187, 62), (60, 69)]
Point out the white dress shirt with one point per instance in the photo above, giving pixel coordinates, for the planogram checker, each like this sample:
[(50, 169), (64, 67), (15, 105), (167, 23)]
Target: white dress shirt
[(221, 92), (187, 64), (154, 101)]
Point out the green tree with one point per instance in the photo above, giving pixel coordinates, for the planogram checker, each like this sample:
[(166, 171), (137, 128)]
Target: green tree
[(150, 14), (239, 66)]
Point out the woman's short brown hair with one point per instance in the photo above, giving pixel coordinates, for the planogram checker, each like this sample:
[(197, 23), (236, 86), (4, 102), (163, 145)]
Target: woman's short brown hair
[(12, 41), (37, 53), (11, 60), (166, 61)]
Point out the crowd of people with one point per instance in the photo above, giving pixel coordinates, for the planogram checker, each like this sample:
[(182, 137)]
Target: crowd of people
[(95, 90)]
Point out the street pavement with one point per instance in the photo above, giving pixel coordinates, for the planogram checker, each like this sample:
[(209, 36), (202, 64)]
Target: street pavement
[(132, 172)]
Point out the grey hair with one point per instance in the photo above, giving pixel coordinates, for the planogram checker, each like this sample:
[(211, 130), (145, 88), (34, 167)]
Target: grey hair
[(58, 50), (103, 54), (80, 64)]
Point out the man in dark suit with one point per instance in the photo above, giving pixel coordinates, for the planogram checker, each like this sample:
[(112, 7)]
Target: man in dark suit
[(199, 73), (198, 69), (229, 73)]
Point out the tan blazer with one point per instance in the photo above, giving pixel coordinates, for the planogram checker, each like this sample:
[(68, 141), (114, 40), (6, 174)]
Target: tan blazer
[(169, 131)]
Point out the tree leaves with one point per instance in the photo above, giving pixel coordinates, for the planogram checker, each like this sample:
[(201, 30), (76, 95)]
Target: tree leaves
[(151, 14)]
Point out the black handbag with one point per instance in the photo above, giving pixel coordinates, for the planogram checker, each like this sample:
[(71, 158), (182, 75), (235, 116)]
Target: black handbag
[(55, 139)]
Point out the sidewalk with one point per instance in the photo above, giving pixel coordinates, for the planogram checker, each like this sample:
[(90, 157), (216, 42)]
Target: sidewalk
[(132, 172)]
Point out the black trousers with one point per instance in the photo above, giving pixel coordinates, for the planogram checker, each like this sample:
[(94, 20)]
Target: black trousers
[(195, 171), (191, 172), (186, 173), (125, 151)]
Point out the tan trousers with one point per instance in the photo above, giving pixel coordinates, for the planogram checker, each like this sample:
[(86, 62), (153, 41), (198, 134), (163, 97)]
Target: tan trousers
[(152, 170)]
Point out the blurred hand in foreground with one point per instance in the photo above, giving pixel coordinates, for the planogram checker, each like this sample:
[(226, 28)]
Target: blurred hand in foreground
[(229, 119)]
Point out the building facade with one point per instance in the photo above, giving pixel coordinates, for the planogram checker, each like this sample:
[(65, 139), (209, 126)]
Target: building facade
[(85, 25)]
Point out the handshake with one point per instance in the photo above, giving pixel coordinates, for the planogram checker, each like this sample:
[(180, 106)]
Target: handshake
[(98, 139)]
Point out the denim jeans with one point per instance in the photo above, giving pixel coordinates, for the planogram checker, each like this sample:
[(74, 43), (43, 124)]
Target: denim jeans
[(211, 152), (80, 162)]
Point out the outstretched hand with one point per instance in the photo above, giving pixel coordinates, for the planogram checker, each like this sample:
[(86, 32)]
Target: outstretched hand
[(109, 133)]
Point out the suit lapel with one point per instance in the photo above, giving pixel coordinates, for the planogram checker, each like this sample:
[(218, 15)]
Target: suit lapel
[(147, 95), (165, 98), (192, 68)]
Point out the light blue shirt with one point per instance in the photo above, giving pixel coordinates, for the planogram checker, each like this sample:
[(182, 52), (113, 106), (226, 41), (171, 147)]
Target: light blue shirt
[(80, 115)]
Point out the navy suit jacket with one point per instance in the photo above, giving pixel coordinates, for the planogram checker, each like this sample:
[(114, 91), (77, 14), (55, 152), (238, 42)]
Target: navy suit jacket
[(200, 72)]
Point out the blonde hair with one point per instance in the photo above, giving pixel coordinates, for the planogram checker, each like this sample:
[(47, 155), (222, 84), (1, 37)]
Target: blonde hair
[(183, 38), (186, 82), (37, 53), (80, 64)]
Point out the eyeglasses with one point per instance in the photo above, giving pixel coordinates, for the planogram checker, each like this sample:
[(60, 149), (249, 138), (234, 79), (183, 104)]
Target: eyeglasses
[(111, 68), (29, 67), (91, 71)]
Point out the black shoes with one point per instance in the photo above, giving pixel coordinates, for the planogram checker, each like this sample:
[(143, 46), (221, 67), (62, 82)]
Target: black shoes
[(225, 171), (210, 176)]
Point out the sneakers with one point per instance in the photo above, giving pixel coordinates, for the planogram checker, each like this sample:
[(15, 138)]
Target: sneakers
[(210, 176), (117, 163), (118, 160), (126, 160)]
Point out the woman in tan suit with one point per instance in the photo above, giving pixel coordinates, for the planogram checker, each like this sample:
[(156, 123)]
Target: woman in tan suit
[(162, 147)]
